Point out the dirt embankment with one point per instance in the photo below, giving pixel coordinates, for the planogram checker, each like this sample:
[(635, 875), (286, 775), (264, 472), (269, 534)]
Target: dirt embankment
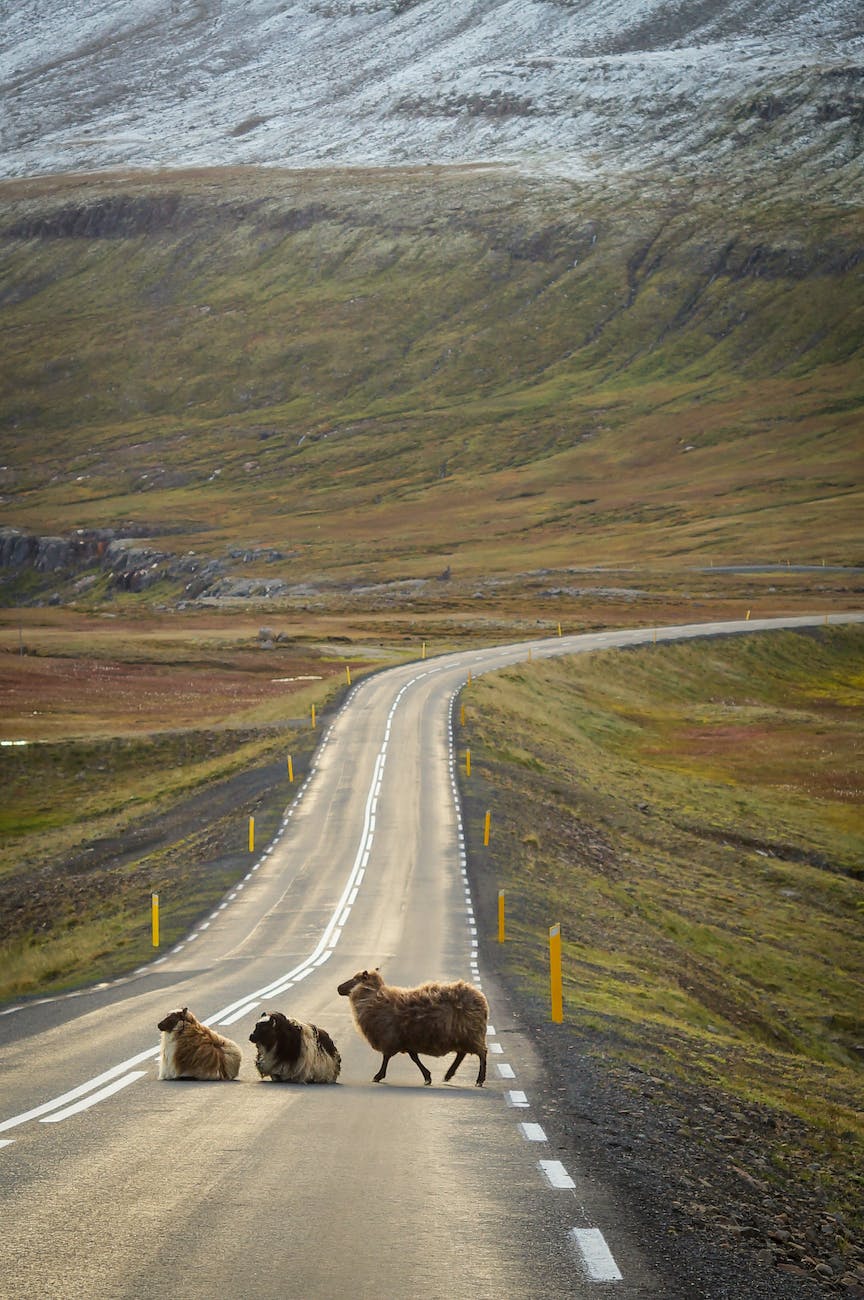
[(197, 845)]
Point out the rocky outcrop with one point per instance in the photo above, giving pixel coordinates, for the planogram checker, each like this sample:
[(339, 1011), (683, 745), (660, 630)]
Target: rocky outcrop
[(118, 216), (51, 554), (130, 565)]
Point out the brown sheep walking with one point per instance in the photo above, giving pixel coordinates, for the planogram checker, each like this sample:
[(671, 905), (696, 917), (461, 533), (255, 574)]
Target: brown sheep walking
[(433, 1018)]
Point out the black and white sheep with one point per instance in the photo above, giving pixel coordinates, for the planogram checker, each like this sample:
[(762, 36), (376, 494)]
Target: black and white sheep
[(292, 1052), (433, 1018)]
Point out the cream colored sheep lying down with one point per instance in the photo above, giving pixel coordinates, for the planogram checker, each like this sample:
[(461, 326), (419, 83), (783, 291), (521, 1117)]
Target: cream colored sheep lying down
[(433, 1018), (190, 1050)]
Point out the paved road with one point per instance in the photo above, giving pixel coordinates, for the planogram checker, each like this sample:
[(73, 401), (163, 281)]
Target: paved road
[(117, 1185)]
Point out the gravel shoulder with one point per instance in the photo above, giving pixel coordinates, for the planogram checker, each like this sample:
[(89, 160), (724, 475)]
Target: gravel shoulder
[(676, 1155)]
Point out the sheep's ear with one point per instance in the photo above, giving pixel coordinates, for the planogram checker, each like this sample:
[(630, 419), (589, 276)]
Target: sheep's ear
[(185, 1011)]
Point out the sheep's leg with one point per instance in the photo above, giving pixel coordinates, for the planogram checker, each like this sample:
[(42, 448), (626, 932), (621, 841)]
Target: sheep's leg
[(427, 1077), (481, 1073), (460, 1057), (377, 1078)]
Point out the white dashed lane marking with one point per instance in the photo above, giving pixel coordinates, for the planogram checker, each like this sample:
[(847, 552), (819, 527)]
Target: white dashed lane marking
[(555, 1174), (595, 1255), (589, 1244)]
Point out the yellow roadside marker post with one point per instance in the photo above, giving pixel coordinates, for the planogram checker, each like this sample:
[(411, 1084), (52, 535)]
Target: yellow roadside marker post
[(486, 827), (154, 918), (500, 915), (251, 834), (555, 974)]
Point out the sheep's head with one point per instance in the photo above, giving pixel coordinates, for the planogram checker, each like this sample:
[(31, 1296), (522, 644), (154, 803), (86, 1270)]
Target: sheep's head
[(173, 1019), (275, 1032), (369, 979), (268, 1028)]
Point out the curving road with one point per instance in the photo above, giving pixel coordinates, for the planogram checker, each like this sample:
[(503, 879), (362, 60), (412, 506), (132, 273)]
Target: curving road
[(117, 1185)]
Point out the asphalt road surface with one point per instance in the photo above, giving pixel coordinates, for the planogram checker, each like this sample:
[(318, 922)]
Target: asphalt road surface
[(115, 1184)]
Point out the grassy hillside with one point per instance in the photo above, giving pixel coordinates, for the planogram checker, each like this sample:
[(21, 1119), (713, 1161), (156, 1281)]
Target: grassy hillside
[(691, 815), (385, 374)]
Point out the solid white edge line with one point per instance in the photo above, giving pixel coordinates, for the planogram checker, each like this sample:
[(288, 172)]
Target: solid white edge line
[(595, 1254), (86, 1102)]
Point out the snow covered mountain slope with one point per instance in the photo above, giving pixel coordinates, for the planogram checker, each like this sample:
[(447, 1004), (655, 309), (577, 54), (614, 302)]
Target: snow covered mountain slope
[(747, 93)]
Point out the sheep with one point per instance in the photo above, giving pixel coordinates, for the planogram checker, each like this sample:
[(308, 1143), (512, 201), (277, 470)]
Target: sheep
[(293, 1052), (192, 1051), (433, 1018)]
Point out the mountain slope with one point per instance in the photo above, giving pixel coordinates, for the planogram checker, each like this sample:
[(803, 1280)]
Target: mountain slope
[(582, 88), (611, 310), (390, 373)]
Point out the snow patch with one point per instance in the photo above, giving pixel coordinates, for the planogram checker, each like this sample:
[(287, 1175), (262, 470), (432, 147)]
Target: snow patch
[(577, 87)]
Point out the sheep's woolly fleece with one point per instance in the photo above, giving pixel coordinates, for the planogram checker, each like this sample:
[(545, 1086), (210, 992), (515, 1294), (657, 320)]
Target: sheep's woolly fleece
[(578, 88)]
